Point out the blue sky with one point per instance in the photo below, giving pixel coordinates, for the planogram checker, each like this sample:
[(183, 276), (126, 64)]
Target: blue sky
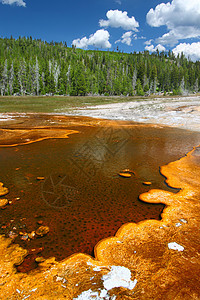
[(130, 25)]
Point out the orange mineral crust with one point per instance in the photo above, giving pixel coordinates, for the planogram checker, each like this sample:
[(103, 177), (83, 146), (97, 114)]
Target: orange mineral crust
[(150, 260), (29, 128), (28, 136)]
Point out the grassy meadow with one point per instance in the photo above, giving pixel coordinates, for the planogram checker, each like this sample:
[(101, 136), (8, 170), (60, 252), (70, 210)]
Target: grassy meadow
[(54, 104)]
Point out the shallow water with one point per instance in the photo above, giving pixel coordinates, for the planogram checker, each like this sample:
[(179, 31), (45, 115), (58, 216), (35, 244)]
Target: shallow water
[(82, 198)]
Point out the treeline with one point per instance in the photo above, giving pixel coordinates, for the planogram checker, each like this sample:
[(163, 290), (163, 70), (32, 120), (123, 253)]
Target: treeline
[(35, 67)]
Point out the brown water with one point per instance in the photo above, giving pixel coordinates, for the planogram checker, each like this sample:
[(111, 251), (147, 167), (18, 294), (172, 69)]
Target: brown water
[(82, 198)]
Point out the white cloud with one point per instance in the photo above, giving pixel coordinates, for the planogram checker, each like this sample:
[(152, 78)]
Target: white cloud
[(159, 47), (150, 48), (148, 42), (181, 17), (81, 43), (190, 50), (17, 2), (117, 18), (178, 12), (126, 38), (99, 39), (169, 38), (118, 2)]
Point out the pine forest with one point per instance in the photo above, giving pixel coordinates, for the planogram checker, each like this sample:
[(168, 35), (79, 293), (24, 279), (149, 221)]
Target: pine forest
[(36, 67)]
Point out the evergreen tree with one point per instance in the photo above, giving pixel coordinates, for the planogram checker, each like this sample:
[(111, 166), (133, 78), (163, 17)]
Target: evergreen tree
[(11, 79), (37, 77), (139, 89), (4, 79), (22, 77), (35, 67)]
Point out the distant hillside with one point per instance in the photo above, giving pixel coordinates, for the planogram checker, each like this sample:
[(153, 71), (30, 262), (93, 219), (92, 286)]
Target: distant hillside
[(35, 67)]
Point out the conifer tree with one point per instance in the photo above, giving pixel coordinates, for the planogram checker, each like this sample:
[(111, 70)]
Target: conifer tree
[(36, 67)]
